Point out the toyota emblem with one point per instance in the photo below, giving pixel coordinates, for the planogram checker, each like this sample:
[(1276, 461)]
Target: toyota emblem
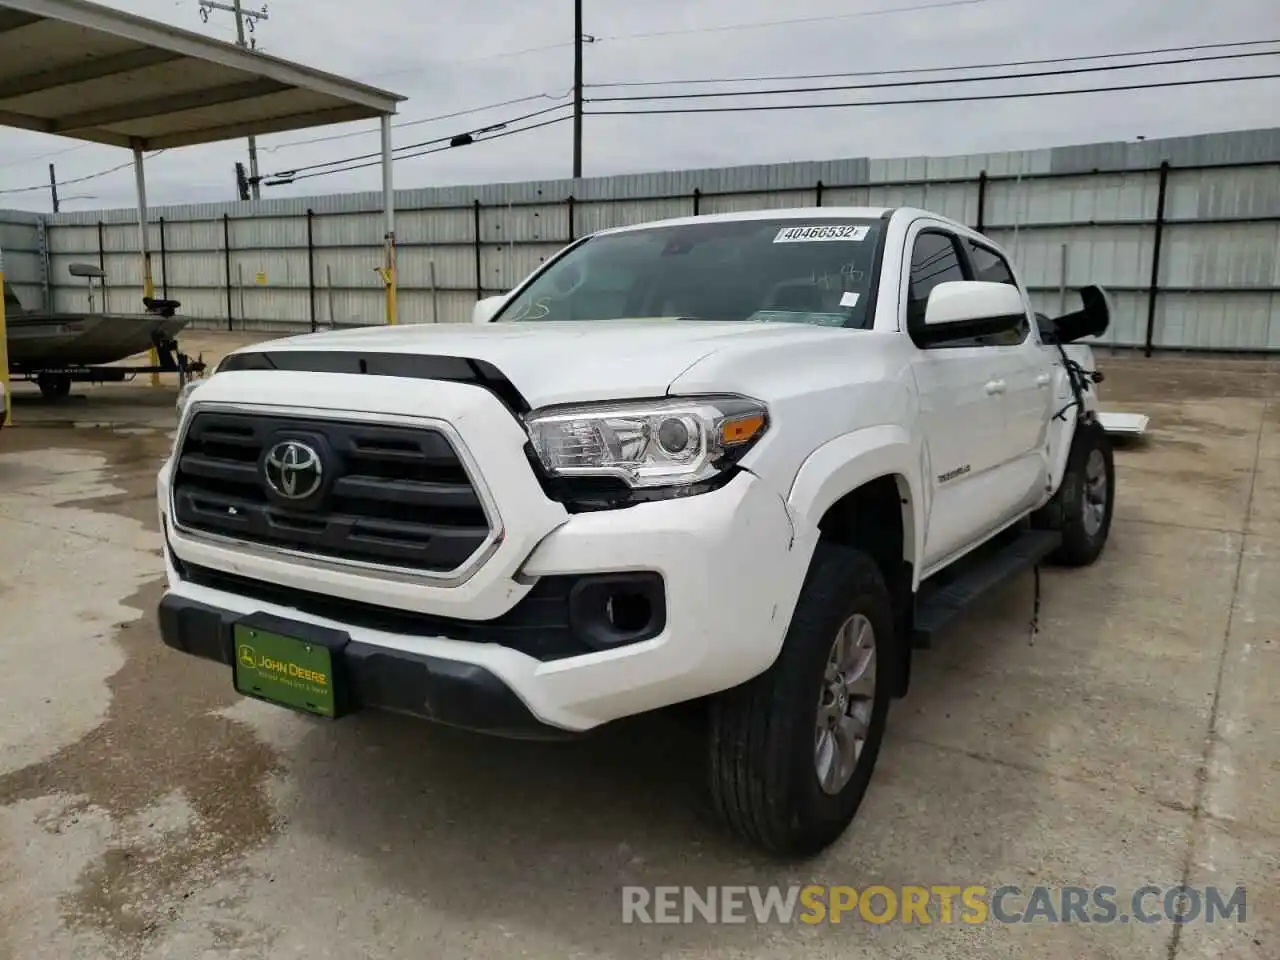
[(293, 470)]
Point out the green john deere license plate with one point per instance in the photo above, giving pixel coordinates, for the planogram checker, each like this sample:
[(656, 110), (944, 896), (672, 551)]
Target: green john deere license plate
[(284, 670)]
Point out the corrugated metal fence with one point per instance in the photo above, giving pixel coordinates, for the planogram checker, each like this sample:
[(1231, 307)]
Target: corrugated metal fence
[(1185, 234), (22, 238)]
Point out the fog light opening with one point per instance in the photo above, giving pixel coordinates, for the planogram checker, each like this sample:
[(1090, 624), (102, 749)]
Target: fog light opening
[(628, 612), (610, 610)]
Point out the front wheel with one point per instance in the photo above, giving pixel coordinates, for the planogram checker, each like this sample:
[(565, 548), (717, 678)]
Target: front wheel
[(792, 750), (1083, 506)]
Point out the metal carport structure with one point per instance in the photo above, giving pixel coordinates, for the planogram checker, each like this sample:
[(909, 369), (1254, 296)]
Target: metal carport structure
[(88, 72)]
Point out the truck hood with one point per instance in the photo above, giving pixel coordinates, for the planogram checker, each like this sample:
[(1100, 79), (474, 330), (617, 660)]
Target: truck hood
[(570, 362)]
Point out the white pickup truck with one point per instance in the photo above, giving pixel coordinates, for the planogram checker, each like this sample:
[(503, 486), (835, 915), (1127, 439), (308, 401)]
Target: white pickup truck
[(749, 460)]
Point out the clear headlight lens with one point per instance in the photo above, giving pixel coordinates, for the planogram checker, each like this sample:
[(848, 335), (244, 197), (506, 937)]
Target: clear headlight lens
[(647, 444)]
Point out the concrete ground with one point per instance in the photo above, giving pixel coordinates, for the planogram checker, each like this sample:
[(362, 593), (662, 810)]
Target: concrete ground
[(148, 811)]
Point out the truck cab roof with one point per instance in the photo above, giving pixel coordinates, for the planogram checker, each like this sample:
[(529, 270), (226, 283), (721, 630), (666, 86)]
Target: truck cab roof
[(795, 213)]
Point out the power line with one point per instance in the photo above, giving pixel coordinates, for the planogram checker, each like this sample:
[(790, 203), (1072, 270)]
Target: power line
[(793, 21), (416, 123), (438, 149), (649, 35), (829, 88), (971, 66), (377, 155), (503, 55), (41, 156), (345, 166), (74, 180), (966, 99), (782, 77), (579, 86)]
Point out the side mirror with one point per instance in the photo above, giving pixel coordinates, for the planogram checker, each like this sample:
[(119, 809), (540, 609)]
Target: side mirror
[(958, 309), (485, 309), (1091, 320)]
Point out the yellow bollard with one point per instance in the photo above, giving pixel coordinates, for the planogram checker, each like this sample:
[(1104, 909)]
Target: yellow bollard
[(6, 415), (149, 291), (388, 274)]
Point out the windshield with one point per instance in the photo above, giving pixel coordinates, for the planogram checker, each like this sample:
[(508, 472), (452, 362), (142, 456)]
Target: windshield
[(797, 271)]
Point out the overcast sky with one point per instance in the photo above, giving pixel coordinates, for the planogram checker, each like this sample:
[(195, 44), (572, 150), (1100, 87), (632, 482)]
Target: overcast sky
[(450, 56)]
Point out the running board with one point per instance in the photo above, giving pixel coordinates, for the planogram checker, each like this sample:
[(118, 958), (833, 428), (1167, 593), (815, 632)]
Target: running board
[(940, 607)]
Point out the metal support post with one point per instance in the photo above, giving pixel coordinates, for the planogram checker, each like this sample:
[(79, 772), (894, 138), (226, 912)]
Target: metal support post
[(389, 213), (144, 245), (1153, 290)]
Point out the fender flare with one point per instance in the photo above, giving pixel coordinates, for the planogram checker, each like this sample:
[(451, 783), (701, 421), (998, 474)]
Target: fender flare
[(849, 461)]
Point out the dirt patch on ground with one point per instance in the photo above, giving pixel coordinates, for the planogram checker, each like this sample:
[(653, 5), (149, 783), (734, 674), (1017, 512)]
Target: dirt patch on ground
[(162, 738), (1177, 417), (1133, 379)]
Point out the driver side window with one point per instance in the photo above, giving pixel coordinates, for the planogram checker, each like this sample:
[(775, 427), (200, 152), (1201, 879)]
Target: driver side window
[(935, 259), (938, 256), (990, 266)]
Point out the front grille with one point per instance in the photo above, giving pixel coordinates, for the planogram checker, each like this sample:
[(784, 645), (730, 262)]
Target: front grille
[(392, 495)]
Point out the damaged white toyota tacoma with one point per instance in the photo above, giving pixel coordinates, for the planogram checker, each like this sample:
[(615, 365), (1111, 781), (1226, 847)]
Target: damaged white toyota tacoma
[(750, 460)]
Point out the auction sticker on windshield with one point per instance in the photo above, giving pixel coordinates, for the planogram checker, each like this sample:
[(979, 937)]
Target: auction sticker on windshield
[(816, 234)]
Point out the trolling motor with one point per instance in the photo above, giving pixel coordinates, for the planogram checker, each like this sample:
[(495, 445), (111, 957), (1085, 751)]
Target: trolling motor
[(163, 308)]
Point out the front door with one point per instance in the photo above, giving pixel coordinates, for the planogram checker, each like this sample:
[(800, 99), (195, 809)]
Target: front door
[(962, 386), (1026, 368)]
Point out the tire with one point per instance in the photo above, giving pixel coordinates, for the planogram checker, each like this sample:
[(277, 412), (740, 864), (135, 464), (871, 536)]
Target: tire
[(1083, 506), (764, 741)]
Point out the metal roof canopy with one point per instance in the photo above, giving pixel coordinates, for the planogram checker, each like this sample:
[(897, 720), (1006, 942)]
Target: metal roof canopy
[(82, 70), (85, 71)]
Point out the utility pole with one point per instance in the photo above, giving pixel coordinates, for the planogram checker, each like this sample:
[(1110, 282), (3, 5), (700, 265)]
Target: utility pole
[(53, 188), (241, 15), (579, 38)]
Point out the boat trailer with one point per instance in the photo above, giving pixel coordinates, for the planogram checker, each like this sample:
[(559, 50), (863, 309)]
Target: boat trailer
[(47, 356), (55, 382)]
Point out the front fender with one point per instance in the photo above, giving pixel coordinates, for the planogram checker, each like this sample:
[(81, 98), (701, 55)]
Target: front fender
[(849, 461), (1062, 430)]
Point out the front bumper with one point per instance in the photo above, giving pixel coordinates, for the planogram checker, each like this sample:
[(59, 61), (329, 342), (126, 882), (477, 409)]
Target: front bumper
[(447, 691), (730, 575)]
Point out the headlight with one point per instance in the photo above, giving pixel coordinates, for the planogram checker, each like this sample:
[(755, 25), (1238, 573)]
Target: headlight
[(647, 444)]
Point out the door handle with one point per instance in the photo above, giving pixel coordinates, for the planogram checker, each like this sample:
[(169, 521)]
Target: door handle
[(994, 387), (1044, 380)]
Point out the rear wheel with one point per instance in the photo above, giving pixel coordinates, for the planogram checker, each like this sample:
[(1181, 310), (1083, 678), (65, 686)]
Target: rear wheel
[(1082, 507), (792, 750)]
